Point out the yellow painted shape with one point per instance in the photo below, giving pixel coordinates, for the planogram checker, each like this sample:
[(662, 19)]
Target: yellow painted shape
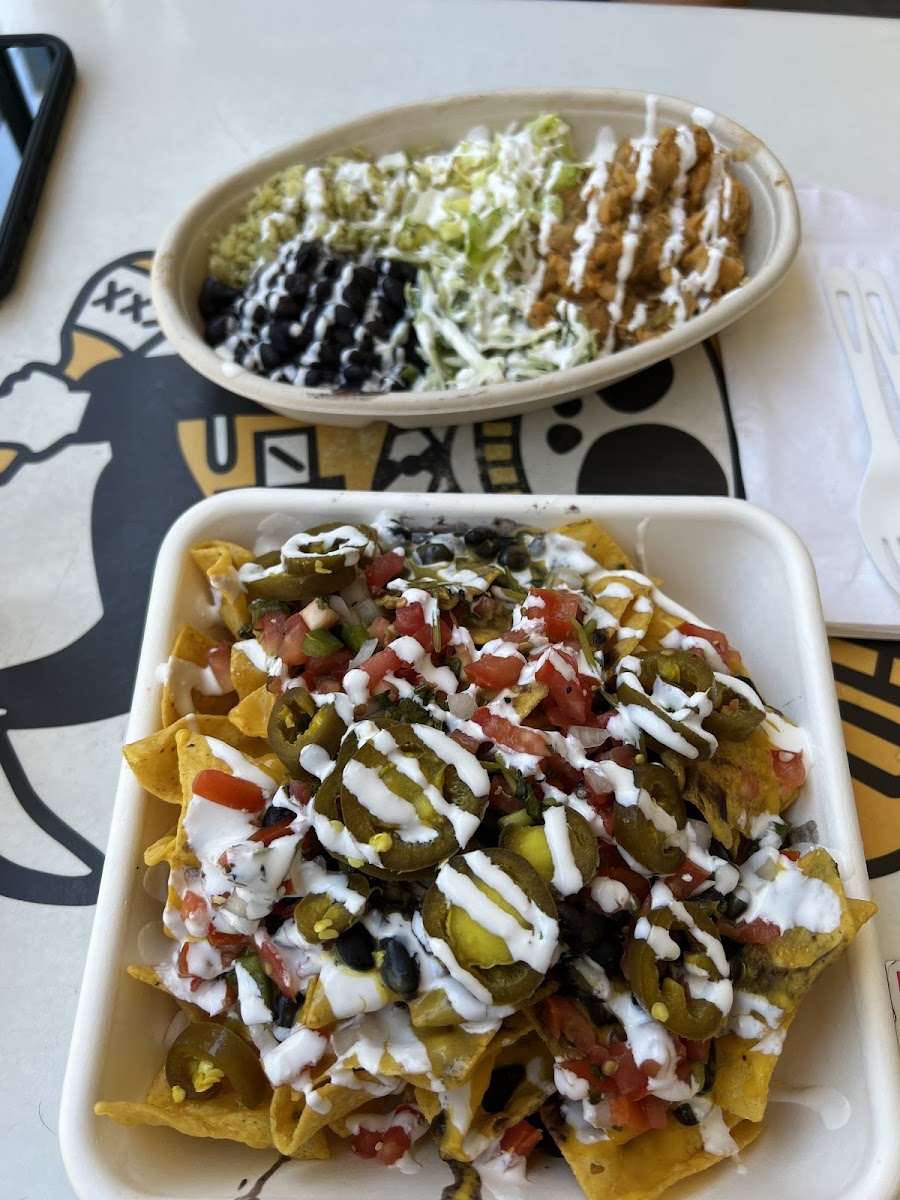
[(88, 351), (498, 452), (879, 820), (503, 475), (872, 704), (856, 658), (496, 429), (6, 457), (872, 749)]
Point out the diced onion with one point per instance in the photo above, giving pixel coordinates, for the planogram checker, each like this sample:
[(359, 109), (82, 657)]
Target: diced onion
[(364, 653)]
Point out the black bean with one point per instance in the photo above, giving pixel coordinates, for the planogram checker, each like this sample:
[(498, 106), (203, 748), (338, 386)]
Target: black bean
[(358, 357), (328, 355), (355, 948), (515, 558), (709, 1071), (285, 1010), (269, 357), (306, 257), (258, 314), (339, 336), (219, 328), (502, 1086), (365, 278), (332, 267), (399, 969), (216, 297), (352, 376), (322, 291), (297, 285), (483, 541), (344, 315), (354, 298), (405, 272), (378, 330), (286, 308), (685, 1115), (393, 292), (735, 907), (283, 338), (275, 814), (433, 552), (318, 377)]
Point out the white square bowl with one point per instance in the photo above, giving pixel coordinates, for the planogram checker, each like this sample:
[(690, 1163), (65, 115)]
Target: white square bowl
[(736, 567)]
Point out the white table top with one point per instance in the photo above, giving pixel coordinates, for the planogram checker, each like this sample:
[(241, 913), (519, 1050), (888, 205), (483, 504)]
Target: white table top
[(170, 95)]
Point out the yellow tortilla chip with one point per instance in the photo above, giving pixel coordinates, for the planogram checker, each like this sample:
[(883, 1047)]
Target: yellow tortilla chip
[(330, 1103), (785, 969), (743, 1075), (284, 1115), (317, 1011), (154, 759), (244, 675), (162, 849), (601, 546), (192, 646), (644, 1167), (220, 562), (527, 1052), (218, 1116), (734, 787), (251, 715)]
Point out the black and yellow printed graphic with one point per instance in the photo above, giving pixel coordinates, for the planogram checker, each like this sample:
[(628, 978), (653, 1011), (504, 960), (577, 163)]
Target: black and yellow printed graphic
[(867, 677)]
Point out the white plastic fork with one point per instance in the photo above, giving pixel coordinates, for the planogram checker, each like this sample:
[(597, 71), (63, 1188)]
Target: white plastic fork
[(878, 505)]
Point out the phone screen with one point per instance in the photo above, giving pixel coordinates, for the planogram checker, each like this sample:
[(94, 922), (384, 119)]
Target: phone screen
[(35, 79)]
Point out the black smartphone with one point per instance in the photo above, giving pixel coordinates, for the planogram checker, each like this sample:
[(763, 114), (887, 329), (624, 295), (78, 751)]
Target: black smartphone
[(36, 75)]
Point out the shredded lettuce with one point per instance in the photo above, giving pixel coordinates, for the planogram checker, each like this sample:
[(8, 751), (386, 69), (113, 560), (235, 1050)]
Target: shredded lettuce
[(474, 219)]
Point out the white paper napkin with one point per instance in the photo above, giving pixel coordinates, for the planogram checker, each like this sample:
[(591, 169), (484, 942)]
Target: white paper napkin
[(801, 435)]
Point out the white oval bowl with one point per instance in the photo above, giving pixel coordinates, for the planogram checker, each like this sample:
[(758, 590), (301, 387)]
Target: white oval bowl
[(181, 260)]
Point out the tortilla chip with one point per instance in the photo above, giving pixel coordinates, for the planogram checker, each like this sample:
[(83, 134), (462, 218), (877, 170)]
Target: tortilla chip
[(331, 1103), (220, 562), (647, 1165), (251, 715), (244, 675), (162, 849), (218, 1116), (785, 969), (192, 646), (317, 1011), (285, 1111), (602, 548), (743, 1074), (528, 1052), (154, 759), (734, 787)]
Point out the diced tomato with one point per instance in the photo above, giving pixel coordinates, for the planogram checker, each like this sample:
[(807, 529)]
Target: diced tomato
[(570, 692), (685, 881), (219, 658), (630, 1077), (496, 671), (395, 1142), (639, 1115), (566, 1019), (229, 790), (181, 965), (622, 756), (555, 609), (789, 770), (501, 799), (295, 633), (271, 631), (326, 666), (520, 1139), (613, 866), (385, 662), (365, 1142), (409, 618), (697, 1051), (583, 1068), (379, 629), (753, 933), (384, 568), (719, 642), (793, 855), (300, 792), (268, 833), (515, 737), (276, 968), (226, 941), (468, 743), (193, 906), (560, 773)]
